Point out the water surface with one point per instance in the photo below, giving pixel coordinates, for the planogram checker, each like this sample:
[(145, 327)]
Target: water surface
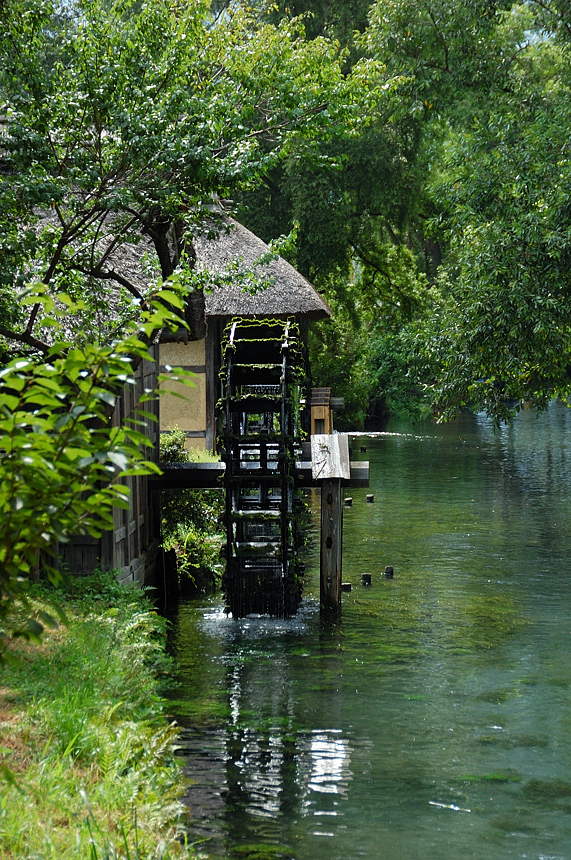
[(433, 721)]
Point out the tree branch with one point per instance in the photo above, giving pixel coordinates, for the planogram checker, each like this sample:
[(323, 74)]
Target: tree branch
[(115, 239), (556, 14), (271, 185), (269, 128), (112, 275), (25, 337), (441, 37)]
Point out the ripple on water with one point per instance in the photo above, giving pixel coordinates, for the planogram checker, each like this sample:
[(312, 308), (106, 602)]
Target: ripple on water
[(442, 690)]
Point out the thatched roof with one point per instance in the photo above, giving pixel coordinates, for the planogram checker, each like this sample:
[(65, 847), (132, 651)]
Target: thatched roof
[(283, 292), (244, 287), (133, 261)]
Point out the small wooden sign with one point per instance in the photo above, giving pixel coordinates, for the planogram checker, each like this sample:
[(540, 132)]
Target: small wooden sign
[(330, 456)]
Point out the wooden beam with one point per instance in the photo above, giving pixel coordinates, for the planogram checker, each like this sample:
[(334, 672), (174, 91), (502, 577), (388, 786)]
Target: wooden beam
[(329, 466), (212, 352), (179, 476), (208, 475)]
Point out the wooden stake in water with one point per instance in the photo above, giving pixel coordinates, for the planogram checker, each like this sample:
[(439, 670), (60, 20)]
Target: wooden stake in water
[(330, 465)]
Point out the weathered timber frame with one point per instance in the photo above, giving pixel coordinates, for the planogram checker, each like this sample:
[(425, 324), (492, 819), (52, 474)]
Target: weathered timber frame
[(330, 466)]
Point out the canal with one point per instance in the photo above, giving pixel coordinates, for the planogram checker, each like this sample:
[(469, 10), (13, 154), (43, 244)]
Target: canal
[(434, 720)]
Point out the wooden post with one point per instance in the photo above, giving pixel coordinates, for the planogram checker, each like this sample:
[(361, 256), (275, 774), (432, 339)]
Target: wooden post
[(331, 546), (330, 465)]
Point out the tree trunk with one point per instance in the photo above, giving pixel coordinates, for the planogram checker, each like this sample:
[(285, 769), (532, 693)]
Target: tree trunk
[(168, 238)]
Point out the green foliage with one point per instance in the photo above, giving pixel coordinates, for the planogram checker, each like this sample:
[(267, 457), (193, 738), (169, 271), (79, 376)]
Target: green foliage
[(435, 142), (360, 212), (197, 552), (490, 81), (99, 774), (442, 49), (182, 507), (61, 462), (190, 519), (337, 19), (402, 374), (463, 175), (506, 215), (173, 447), (132, 117), (122, 121), (372, 351), (341, 360)]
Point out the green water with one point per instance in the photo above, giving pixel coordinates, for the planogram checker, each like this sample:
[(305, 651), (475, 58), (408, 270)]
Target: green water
[(434, 720)]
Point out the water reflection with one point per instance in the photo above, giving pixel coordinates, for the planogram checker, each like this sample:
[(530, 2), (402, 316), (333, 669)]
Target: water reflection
[(445, 690), (266, 764), (329, 759)]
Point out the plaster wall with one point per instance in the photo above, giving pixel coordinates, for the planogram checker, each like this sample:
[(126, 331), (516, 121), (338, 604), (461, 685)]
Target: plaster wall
[(188, 414)]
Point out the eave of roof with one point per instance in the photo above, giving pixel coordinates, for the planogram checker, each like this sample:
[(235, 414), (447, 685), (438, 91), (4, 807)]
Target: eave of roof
[(285, 291)]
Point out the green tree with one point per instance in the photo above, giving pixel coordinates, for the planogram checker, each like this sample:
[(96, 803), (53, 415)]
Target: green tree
[(61, 464), (460, 176), (338, 19), (121, 123), (367, 351), (359, 212), (492, 83), (125, 129)]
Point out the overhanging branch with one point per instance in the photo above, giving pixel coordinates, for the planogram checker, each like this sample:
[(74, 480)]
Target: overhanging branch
[(25, 338)]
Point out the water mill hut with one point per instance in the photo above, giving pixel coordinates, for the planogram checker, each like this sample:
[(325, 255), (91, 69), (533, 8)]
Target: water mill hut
[(248, 282), (252, 284)]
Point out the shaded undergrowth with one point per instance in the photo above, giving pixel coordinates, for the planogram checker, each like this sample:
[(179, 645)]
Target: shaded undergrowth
[(191, 520)]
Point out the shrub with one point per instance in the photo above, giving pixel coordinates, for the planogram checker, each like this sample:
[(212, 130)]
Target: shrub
[(190, 519)]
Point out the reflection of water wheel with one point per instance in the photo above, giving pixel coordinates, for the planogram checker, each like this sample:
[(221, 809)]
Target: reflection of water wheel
[(262, 376)]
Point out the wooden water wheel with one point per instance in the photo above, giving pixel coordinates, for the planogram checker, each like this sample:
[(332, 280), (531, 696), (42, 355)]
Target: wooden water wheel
[(262, 380)]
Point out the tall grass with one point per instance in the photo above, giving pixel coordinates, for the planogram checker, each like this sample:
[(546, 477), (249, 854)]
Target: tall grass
[(91, 768)]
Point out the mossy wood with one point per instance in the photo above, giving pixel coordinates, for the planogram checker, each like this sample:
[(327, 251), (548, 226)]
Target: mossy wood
[(330, 465), (262, 379)]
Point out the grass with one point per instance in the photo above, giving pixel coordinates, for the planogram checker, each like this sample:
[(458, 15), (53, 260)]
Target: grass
[(87, 767)]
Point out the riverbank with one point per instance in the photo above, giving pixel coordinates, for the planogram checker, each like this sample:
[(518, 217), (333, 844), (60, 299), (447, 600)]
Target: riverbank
[(87, 767)]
